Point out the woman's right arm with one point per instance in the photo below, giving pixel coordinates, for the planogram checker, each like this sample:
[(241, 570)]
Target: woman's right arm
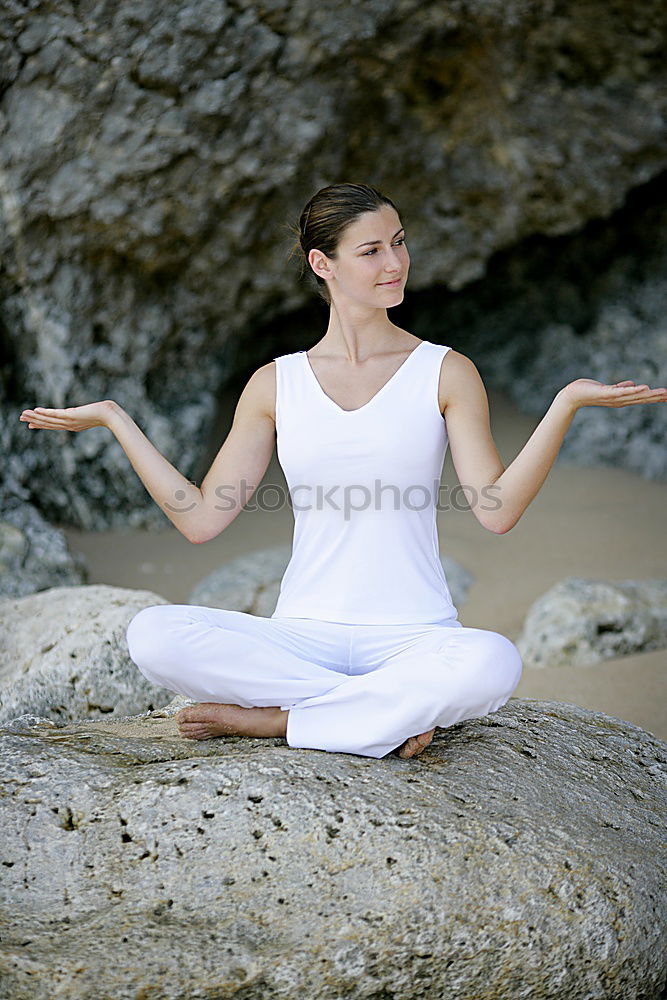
[(199, 513)]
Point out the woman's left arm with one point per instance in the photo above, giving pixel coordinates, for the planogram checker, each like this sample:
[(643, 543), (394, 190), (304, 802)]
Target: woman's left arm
[(511, 491)]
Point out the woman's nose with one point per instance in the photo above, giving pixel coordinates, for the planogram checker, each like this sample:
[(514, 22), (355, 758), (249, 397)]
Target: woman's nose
[(393, 262)]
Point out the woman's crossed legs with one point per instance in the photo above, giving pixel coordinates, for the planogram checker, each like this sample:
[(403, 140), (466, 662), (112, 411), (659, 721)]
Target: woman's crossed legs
[(363, 689)]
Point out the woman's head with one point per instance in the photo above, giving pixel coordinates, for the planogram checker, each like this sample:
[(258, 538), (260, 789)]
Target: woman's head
[(350, 236)]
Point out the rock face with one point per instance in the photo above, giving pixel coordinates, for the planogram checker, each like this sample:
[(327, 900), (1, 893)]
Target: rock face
[(151, 155), (34, 555), (521, 855), (582, 622), (251, 583), (63, 654)]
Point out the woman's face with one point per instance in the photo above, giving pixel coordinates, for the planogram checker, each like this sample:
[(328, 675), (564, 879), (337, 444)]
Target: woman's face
[(371, 254)]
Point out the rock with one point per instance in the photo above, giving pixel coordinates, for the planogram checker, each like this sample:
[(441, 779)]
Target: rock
[(34, 555), (141, 254), (626, 340), (582, 622), (248, 583), (521, 854), (251, 583), (63, 654), (167, 711)]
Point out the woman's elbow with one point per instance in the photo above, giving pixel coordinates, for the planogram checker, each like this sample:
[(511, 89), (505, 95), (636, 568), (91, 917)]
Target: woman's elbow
[(496, 529), (494, 515), (204, 533), (493, 521), (198, 538)]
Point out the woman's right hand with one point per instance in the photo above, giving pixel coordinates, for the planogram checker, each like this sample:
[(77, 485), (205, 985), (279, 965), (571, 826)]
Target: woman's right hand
[(72, 418)]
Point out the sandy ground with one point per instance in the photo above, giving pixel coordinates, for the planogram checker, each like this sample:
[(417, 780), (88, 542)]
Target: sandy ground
[(598, 523)]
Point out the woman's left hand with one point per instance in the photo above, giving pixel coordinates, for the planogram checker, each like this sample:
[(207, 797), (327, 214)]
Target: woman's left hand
[(589, 392)]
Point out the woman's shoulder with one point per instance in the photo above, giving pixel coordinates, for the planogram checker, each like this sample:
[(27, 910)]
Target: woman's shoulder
[(455, 362), (261, 387), (260, 390), (457, 374)]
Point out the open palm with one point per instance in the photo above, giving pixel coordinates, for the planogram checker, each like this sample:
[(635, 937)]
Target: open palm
[(590, 392), (72, 418)]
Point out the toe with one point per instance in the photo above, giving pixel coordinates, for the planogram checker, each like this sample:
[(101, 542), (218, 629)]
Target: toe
[(190, 729), (196, 733), (408, 748)]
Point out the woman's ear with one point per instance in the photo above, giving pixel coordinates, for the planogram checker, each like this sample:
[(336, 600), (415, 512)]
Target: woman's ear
[(320, 264)]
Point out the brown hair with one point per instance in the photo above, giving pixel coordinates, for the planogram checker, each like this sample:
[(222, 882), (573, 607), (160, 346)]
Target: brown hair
[(326, 217)]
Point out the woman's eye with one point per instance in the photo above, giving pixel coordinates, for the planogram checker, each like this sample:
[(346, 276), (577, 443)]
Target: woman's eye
[(398, 242)]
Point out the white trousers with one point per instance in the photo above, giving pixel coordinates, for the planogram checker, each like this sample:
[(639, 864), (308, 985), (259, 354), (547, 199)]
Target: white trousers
[(361, 689)]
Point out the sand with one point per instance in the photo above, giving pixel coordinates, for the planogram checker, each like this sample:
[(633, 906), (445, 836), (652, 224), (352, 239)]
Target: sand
[(599, 523)]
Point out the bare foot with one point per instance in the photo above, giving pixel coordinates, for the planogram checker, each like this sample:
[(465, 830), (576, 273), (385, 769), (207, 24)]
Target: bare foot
[(415, 744), (210, 719)]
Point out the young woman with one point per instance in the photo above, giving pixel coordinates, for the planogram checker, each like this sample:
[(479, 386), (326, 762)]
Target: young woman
[(364, 653)]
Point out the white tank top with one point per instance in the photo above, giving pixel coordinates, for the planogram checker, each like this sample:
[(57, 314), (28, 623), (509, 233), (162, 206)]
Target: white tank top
[(364, 485)]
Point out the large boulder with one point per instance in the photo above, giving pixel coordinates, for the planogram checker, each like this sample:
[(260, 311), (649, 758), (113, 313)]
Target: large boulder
[(582, 622), (63, 654), (153, 154), (522, 854), (251, 583), (34, 554)]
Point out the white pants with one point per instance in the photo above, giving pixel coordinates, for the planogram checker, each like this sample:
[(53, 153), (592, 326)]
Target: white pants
[(361, 689)]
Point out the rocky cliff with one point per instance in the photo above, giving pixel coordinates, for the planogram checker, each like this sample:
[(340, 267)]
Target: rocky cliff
[(151, 156)]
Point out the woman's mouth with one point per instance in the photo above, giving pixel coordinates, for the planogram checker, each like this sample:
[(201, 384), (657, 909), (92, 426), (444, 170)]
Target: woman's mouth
[(391, 284)]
